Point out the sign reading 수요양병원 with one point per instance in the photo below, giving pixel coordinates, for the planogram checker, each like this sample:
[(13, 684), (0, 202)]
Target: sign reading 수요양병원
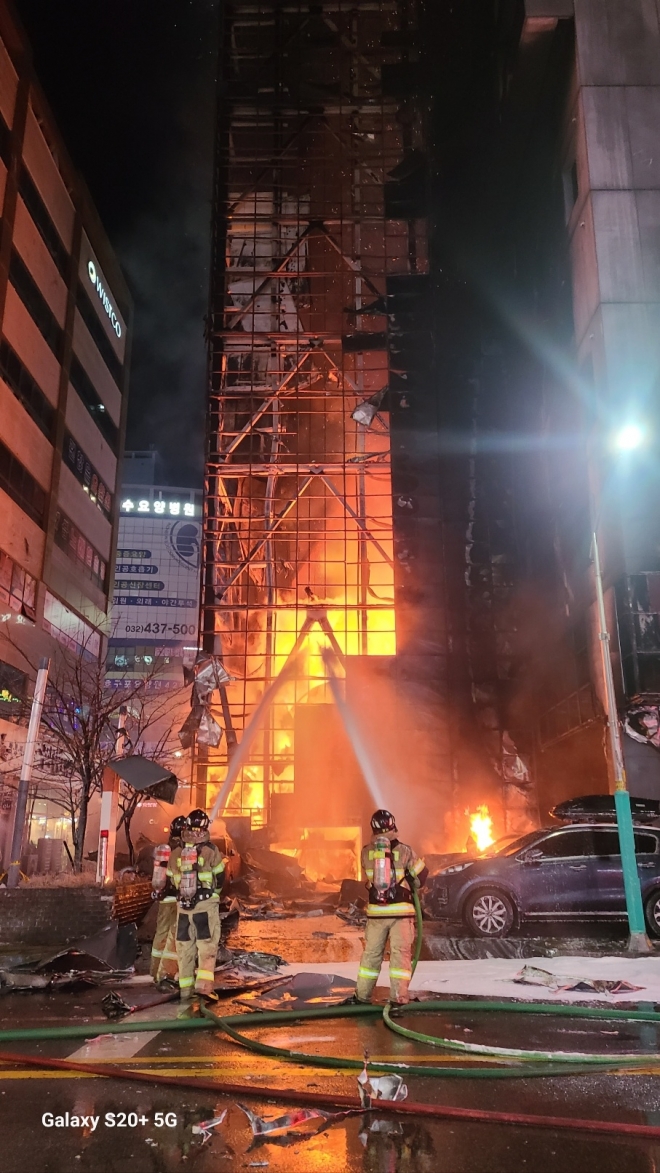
[(156, 591)]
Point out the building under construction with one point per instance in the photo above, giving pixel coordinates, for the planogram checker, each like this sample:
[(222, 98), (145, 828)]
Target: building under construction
[(319, 354)]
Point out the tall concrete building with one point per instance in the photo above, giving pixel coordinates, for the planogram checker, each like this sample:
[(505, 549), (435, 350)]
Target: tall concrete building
[(558, 241), (65, 320)]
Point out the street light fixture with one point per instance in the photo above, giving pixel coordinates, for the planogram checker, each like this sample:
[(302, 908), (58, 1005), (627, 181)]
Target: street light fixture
[(627, 439)]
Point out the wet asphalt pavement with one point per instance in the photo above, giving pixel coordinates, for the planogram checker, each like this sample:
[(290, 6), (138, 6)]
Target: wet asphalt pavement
[(360, 1144)]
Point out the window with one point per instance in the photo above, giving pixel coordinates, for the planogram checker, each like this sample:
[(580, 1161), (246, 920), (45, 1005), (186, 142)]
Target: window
[(36, 304), (13, 691), (69, 538), (86, 474), (566, 844), (26, 389), (103, 343), (18, 483), (47, 230), (83, 385), (5, 142), (645, 844), (17, 588), (69, 629)]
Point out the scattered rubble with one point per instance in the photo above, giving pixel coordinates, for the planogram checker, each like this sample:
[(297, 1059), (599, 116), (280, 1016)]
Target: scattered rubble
[(532, 976)]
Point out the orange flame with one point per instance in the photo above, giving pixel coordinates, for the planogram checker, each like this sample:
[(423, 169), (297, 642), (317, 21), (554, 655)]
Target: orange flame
[(481, 828)]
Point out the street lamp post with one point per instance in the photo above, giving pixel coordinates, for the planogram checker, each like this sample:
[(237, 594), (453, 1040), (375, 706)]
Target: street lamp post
[(638, 941)]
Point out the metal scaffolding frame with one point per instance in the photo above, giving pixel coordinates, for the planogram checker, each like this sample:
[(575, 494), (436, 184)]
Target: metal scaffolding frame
[(318, 133)]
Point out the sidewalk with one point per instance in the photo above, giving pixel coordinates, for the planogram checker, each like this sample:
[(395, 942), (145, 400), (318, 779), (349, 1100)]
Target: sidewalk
[(492, 977)]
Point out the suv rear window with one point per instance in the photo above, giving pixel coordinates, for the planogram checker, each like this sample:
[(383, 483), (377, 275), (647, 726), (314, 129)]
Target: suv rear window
[(565, 844)]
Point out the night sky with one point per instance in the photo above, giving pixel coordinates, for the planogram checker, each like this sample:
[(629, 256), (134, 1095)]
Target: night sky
[(131, 85)]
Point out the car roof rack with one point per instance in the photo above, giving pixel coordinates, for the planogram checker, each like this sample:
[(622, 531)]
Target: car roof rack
[(590, 807)]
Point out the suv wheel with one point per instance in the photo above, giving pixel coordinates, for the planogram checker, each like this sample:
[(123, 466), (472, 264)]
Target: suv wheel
[(652, 910), (490, 913)]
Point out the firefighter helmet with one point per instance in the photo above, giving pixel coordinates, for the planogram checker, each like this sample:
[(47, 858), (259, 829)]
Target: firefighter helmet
[(382, 821), (198, 820), (177, 825)]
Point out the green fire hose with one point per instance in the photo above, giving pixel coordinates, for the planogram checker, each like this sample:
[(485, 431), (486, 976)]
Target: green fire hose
[(513, 1062)]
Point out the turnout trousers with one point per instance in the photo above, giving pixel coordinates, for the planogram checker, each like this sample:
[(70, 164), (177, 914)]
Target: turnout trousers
[(163, 950), (400, 931), (197, 940)]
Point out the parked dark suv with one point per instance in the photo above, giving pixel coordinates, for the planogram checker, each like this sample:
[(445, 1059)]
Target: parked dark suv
[(569, 873)]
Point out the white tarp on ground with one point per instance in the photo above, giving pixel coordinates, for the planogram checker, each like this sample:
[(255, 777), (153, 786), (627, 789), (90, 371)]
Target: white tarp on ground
[(493, 977)]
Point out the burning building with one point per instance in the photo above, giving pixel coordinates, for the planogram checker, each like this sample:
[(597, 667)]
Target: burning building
[(318, 509)]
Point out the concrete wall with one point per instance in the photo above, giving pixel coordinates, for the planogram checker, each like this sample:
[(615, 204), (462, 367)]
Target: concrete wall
[(613, 157)]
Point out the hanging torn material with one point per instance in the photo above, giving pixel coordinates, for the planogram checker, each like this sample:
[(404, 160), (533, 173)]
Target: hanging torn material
[(190, 726), (208, 674), (209, 731)]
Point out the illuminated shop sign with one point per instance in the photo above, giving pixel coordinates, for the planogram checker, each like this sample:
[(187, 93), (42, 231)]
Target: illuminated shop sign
[(160, 508), (105, 300)]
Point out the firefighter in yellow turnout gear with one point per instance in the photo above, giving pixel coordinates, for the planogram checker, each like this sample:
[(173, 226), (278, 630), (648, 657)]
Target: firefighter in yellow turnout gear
[(196, 870), (392, 869), (163, 951)]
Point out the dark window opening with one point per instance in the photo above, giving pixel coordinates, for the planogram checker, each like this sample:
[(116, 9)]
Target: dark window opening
[(103, 343), (5, 142), (36, 304), (47, 230), (26, 389), (21, 486), (82, 383)]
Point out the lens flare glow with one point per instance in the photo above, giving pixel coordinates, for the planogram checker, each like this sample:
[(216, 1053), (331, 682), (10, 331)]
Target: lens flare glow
[(629, 437)]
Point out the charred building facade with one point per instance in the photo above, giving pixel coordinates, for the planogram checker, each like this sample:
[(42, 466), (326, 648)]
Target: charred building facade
[(323, 527), (433, 296)]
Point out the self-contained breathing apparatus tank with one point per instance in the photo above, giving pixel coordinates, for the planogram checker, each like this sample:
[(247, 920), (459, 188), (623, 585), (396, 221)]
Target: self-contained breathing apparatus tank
[(384, 881), (189, 882), (161, 859)]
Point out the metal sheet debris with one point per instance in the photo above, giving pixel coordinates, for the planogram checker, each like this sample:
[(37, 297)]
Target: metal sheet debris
[(532, 976), (379, 1087), (203, 1129), (304, 990)]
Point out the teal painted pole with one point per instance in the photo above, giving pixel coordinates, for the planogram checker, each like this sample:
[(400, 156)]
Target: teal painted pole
[(638, 941), (629, 864)]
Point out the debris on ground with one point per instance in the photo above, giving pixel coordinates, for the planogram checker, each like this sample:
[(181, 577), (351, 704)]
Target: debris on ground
[(204, 1127), (379, 1087), (530, 975), (280, 872), (251, 959), (353, 915), (114, 1006), (282, 1125), (303, 991)]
